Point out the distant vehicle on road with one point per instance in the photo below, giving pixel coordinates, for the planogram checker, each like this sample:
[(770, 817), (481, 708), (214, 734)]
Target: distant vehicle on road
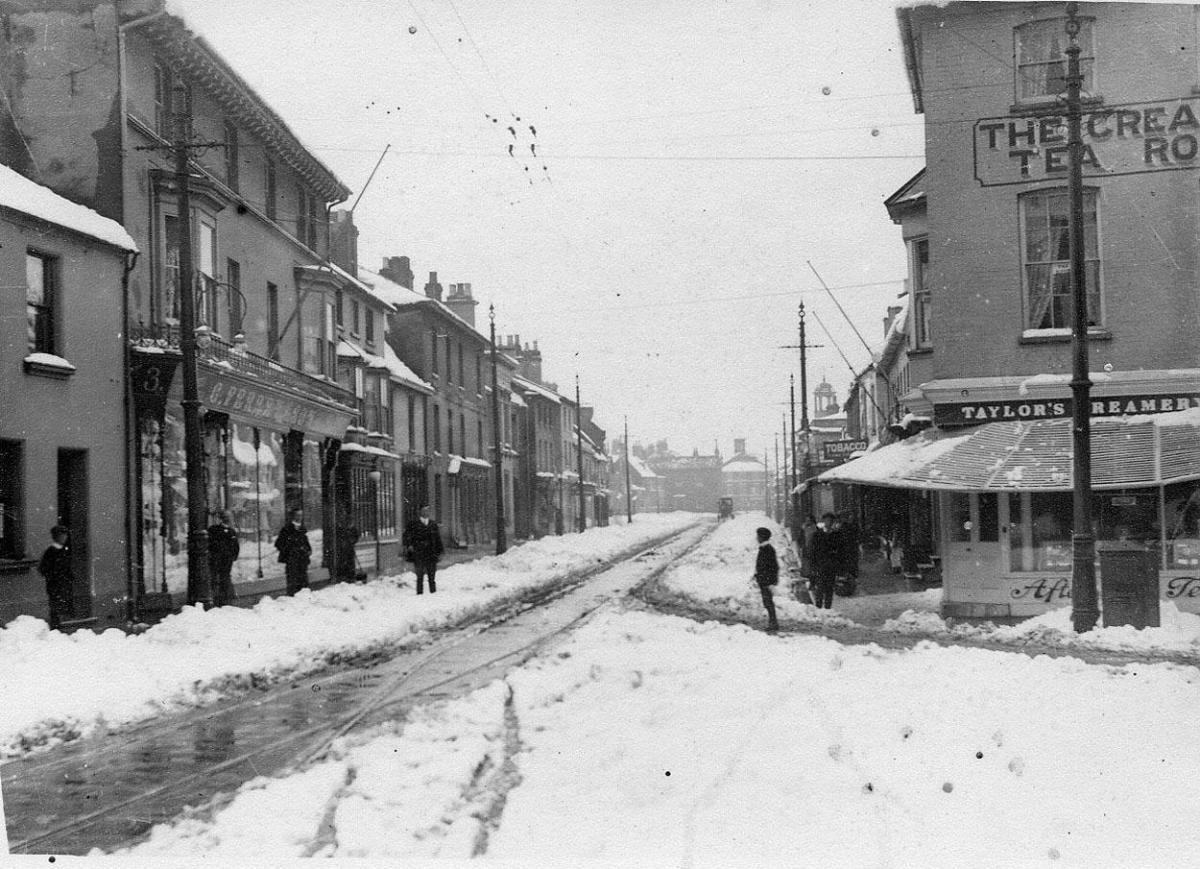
[(724, 508)]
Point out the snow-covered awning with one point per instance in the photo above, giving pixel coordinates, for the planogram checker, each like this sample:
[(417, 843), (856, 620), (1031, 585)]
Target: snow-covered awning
[(352, 447), (1143, 450)]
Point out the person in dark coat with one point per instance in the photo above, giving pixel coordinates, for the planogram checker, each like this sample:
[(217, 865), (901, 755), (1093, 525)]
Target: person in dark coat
[(294, 551), (56, 568), (827, 554), (766, 574), (848, 540), (223, 548), (422, 542)]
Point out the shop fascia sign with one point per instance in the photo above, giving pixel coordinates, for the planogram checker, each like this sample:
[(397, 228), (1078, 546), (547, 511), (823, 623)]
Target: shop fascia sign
[(837, 452), (976, 412), (263, 406), (1127, 139)]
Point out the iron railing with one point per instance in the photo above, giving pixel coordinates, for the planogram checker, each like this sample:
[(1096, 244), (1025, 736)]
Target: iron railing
[(214, 349)]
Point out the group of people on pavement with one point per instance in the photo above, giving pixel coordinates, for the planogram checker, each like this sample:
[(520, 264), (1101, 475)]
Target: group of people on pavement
[(421, 544), (829, 552)]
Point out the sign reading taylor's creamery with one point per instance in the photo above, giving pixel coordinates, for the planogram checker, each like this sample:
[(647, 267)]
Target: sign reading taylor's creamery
[(976, 412), (1117, 140)]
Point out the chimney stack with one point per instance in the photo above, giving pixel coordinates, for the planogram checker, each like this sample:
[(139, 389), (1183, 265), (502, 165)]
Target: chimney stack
[(461, 303), (398, 269), (433, 289)]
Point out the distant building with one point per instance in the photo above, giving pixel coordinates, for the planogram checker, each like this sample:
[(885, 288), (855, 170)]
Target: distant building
[(744, 478)]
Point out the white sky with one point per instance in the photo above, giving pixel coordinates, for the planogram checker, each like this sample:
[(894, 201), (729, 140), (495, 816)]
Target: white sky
[(661, 253)]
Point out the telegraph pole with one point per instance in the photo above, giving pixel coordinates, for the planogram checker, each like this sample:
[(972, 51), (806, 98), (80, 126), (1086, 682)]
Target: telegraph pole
[(795, 496), (579, 443), (1084, 608), (803, 347), (776, 488), (501, 539), (199, 588), (628, 488)]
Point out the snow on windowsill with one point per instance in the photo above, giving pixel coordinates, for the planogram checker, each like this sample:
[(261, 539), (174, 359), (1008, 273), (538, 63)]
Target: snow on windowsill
[(48, 365)]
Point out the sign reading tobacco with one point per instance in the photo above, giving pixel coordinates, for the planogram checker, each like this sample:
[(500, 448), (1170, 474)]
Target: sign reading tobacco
[(1117, 140), (836, 452), (976, 412)]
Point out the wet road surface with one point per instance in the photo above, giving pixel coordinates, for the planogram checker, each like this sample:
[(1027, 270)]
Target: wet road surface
[(108, 791)]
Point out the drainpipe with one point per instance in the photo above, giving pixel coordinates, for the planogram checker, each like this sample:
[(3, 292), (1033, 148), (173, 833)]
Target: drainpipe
[(131, 443)]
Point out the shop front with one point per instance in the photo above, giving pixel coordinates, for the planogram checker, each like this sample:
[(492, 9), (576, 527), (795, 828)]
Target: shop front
[(1003, 495), (270, 444)]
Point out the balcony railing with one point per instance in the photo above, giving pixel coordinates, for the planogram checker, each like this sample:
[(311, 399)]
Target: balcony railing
[(234, 355)]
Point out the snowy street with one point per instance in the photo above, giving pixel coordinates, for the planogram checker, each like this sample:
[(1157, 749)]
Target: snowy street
[(649, 739)]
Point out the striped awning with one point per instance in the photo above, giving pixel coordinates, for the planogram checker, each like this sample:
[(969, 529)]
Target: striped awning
[(1127, 452)]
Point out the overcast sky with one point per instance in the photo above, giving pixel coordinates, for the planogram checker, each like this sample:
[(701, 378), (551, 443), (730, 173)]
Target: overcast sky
[(691, 156)]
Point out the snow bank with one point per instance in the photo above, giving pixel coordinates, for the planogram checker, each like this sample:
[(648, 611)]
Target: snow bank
[(1178, 633), (654, 740), (59, 686)]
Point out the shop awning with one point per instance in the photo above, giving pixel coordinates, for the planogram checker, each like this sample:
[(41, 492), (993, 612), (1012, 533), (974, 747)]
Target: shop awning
[(1145, 450)]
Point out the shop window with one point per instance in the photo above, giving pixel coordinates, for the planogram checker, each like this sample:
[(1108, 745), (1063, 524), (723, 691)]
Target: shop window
[(1041, 68), (41, 301), (1181, 512), (958, 515), (313, 500), (1047, 258), (989, 517), (12, 526), (1127, 515), (1039, 531)]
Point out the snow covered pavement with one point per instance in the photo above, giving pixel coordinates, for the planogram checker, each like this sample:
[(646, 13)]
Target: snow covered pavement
[(718, 577), (649, 739), (58, 686)]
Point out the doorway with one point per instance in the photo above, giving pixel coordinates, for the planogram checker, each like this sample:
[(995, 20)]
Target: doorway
[(73, 513)]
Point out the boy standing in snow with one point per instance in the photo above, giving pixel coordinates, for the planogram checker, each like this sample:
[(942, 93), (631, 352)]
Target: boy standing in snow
[(766, 574), (294, 551), (55, 567)]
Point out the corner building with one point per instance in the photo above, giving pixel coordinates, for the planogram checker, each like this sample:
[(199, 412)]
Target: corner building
[(996, 297)]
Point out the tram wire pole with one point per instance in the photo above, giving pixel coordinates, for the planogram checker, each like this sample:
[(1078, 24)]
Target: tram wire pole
[(1084, 605)]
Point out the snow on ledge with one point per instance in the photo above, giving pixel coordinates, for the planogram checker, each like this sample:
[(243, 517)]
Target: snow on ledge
[(20, 194), (49, 360)]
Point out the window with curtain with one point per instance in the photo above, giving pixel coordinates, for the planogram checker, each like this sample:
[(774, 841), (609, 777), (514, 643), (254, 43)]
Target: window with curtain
[(1041, 68), (1046, 253)]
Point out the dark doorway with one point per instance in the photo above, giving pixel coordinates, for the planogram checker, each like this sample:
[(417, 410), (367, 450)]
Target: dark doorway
[(73, 513)]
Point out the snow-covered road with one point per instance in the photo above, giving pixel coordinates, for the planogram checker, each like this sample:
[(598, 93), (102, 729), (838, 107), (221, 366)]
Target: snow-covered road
[(654, 740)]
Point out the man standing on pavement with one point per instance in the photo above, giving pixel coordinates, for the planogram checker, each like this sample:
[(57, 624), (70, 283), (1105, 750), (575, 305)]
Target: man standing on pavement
[(223, 548), (826, 559), (422, 542), (294, 551), (766, 574)]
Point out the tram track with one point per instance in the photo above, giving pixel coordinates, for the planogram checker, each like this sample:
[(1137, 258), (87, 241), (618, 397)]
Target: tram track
[(108, 793)]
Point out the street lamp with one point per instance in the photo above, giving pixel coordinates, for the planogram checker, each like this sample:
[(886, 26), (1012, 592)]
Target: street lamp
[(501, 542)]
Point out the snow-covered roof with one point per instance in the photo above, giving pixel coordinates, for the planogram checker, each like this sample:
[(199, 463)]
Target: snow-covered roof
[(639, 467), (530, 386), (515, 398), (389, 361), (18, 193), (743, 465), (374, 451), (402, 297)]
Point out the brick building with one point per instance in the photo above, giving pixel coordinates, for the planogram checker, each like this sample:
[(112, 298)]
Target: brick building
[(987, 78)]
